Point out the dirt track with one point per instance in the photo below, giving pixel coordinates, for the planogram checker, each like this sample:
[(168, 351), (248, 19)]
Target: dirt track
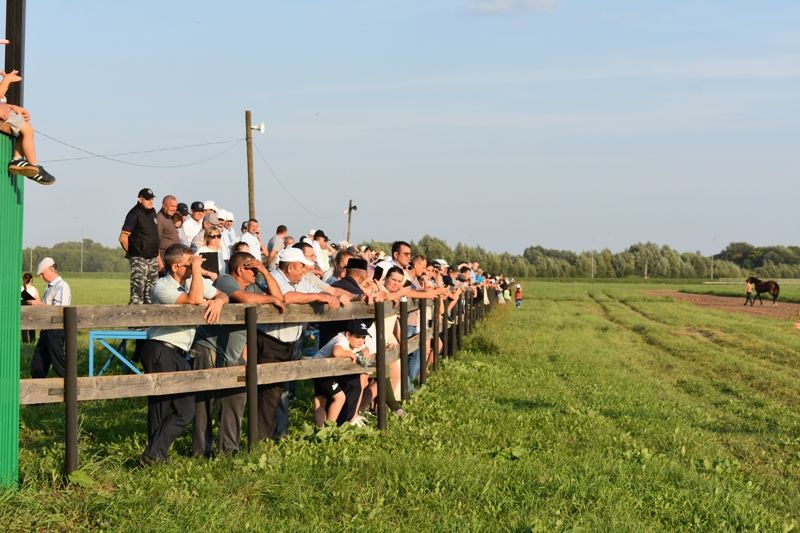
[(782, 311)]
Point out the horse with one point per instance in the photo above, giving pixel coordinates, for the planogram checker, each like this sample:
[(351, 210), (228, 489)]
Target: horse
[(770, 287)]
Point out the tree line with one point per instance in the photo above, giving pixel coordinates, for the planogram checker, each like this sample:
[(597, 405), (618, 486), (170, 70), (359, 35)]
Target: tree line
[(737, 260)]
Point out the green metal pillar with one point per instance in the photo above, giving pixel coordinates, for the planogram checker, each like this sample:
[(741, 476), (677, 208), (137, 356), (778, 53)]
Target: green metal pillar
[(11, 203)]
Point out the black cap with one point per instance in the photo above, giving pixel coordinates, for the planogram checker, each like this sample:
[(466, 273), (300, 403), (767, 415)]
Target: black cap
[(147, 194), (357, 262), (319, 233), (358, 327), (198, 206), (183, 209)]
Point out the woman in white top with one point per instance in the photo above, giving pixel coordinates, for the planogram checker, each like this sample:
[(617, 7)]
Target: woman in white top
[(212, 239)]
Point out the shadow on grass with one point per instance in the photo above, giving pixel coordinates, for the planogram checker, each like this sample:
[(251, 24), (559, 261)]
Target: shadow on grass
[(525, 404)]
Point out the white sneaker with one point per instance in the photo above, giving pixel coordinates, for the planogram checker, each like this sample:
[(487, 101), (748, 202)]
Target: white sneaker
[(358, 421)]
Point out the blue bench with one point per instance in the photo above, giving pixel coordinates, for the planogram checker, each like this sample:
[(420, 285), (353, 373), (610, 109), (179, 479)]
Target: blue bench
[(120, 352)]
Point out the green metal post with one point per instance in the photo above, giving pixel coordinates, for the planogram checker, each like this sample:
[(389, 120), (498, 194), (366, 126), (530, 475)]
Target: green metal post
[(11, 203)]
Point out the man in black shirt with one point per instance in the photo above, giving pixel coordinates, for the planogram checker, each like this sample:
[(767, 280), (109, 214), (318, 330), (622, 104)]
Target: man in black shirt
[(139, 238)]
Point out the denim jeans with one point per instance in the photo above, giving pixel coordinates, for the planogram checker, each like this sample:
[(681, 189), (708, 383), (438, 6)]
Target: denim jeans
[(413, 359)]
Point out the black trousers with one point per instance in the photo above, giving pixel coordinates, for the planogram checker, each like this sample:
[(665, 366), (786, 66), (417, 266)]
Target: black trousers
[(202, 357), (49, 351), (167, 415), (351, 385), (270, 350)]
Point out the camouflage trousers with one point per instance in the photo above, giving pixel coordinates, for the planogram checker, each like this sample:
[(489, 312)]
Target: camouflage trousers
[(144, 273)]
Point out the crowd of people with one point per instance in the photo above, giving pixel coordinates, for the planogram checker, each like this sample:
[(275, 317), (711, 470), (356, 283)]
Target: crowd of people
[(191, 253)]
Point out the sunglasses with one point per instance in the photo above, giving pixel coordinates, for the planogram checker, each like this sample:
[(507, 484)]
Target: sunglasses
[(214, 236)]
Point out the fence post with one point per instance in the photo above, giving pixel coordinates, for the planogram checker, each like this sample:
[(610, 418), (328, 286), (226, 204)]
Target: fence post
[(403, 348), (71, 388), (468, 312), (251, 375), (380, 356), (437, 316), (423, 340), (445, 330), (460, 322)]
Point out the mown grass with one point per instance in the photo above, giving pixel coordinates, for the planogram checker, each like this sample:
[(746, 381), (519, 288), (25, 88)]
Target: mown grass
[(594, 407)]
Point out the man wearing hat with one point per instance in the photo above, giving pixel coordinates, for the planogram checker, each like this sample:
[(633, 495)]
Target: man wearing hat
[(276, 341), (140, 239), (50, 348), (194, 223)]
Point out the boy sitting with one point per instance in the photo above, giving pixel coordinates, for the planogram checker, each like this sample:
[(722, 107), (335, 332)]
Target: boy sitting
[(15, 121), (329, 398)]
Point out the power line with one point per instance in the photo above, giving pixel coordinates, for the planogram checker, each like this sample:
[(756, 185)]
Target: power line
[(278, 181), (109, 157)]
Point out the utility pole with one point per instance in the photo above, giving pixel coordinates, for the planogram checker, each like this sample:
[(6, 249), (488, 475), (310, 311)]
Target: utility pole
[(82, 255), (251, 186), (592, 264), (712, 267), (251, 195), (350, 209)]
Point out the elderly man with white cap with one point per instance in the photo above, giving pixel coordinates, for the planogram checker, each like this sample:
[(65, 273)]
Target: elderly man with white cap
[(50, 348), (276, 341)]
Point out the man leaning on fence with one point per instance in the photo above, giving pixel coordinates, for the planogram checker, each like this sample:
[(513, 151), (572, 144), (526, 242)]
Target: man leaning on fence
[(166, 348), (224, 346), (276, 341)]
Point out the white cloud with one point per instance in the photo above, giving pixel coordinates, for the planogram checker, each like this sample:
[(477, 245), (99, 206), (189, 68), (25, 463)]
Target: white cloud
[(511, 6), (752, 69)]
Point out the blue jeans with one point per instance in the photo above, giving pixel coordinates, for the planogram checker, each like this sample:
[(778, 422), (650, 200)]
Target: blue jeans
[(413, 359)]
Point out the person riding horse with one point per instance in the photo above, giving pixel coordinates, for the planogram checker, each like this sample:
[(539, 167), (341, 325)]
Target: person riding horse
[(770, 287)]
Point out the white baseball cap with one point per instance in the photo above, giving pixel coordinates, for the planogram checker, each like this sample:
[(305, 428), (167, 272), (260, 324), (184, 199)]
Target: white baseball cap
[(44, 264), (293, 255), (222, 215), (210, 204)]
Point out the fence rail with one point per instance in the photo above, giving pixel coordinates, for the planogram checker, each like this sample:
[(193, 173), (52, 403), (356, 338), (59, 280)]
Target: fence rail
[(71, 389)]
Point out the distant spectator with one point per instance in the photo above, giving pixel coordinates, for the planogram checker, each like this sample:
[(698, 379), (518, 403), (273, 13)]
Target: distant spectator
[(518, 296), (28, 335), (139, 239), (167, 232), (212, 244), (50, 348), (275, 245), (253, 238), (193, 224)]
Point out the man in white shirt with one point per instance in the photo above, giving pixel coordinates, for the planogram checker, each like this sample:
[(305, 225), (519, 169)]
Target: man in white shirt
[(253, 239), (50, 348), (193, 224), (276, 341)]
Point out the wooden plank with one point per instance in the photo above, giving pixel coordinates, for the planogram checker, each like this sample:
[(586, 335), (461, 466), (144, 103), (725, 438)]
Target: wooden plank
[(51, 390), (121, 316)]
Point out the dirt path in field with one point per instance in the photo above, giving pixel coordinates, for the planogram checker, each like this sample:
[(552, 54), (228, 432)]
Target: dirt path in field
[(782, 311)]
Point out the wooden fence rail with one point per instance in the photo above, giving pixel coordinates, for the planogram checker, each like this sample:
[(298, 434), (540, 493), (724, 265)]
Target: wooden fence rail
[(71, 389)]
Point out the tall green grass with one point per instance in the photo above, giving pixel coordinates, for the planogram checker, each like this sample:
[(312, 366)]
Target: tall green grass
[(593, 407)]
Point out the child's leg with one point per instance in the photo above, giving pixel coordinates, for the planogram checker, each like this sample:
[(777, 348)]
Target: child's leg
[(335, 406), (25, 144), (319, 410)]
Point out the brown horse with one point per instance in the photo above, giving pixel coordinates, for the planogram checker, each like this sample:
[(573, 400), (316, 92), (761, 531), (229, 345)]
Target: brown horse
[(770, 287)]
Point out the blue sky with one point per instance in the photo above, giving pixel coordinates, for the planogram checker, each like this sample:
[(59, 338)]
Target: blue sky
[(505, 123)]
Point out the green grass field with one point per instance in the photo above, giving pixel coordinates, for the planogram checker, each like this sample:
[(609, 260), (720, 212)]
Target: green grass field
[(595, 407)]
